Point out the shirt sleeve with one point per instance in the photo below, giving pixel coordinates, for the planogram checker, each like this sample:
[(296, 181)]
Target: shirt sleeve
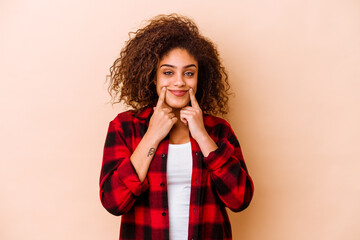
[(228, 172), (119, 182)]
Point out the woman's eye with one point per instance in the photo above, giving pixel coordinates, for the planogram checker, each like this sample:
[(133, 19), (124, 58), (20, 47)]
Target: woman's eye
[(167, 73), (189, 74)]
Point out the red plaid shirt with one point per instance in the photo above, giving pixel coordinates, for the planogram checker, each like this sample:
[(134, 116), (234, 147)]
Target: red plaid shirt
[(218, 181)]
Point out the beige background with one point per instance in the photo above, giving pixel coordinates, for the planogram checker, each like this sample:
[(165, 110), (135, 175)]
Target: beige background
[(295, 70)]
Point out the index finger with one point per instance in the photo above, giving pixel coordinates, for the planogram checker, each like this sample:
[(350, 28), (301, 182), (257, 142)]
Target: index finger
[(194, 102), (161, 97)]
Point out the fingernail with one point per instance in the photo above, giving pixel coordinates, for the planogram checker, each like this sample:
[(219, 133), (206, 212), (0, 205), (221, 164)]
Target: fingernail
[(191, 90), (163, 88)]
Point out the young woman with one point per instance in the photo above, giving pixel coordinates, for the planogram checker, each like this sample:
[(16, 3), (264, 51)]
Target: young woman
[(170, 167)]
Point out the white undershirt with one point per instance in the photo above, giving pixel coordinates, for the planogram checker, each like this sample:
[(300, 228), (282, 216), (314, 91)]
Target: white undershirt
[(179, 171)]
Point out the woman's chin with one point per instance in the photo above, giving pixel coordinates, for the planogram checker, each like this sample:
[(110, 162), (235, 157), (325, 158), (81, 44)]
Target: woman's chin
[(177, 105)]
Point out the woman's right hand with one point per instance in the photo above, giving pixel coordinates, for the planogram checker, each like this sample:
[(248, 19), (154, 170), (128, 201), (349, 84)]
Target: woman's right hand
[(162, 120)]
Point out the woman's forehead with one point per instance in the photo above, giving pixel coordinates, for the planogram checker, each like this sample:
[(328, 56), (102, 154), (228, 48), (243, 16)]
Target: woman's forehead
[(178, 57)]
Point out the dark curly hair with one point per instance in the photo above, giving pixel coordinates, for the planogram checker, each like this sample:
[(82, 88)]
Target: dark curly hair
[(132, 75)]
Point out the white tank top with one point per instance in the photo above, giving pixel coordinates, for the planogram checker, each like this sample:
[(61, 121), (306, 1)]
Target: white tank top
[(179, 171)]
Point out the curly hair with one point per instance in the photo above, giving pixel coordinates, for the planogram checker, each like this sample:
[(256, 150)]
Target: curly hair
[(132, 75)]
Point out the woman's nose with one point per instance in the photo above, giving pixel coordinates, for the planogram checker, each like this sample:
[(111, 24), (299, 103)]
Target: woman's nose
[(179, 81)]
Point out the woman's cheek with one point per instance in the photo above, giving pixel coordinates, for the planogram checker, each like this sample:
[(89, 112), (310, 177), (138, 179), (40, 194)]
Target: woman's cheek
[(160, 85)]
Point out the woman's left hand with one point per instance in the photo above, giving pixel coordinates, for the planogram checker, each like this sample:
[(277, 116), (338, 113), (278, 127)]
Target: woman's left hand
[(192, 117)]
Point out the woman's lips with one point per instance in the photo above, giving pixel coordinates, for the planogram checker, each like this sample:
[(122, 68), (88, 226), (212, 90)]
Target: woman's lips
[(178, 93)]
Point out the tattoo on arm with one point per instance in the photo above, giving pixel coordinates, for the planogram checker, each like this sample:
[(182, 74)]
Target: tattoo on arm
[(151, 152)]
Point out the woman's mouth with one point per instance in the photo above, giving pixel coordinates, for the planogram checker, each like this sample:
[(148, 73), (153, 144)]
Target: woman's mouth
[(178, 93)]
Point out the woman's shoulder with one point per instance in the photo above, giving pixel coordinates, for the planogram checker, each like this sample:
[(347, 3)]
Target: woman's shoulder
[(217, 127), (132, 115), (213, 121)]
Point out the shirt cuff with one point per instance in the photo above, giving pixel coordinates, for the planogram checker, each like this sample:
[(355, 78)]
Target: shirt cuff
[(129, 177), (220, 156)]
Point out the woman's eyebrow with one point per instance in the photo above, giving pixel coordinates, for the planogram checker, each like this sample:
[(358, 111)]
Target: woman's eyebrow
[(172, 66), (190, 65)]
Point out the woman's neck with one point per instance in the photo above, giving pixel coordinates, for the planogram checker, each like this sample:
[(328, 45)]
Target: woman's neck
[(179, 133)]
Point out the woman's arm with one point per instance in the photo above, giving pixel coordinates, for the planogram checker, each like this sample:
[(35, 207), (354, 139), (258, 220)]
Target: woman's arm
[(160, 125), (223, 159), (119, 183), (123, 174), (192, 117), (229, 173)]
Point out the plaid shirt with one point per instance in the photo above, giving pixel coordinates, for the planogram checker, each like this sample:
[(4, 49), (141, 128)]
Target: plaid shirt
[(219, 180)]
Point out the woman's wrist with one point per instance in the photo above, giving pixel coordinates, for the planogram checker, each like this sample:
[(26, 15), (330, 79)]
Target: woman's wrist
[(152, 138), (206, 144)]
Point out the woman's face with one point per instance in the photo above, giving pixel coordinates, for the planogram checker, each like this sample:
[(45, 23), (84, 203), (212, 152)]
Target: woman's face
[(178, 72)]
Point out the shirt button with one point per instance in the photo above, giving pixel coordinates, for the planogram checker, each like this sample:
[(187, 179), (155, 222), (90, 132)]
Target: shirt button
[(197, 154), (163, 155), (195, 181), (162, 184), (164, 214)]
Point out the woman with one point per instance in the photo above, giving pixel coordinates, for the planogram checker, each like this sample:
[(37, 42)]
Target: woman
[(170, 167)]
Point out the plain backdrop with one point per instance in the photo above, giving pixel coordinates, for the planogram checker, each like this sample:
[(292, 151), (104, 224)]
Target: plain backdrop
[(294, 67)]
